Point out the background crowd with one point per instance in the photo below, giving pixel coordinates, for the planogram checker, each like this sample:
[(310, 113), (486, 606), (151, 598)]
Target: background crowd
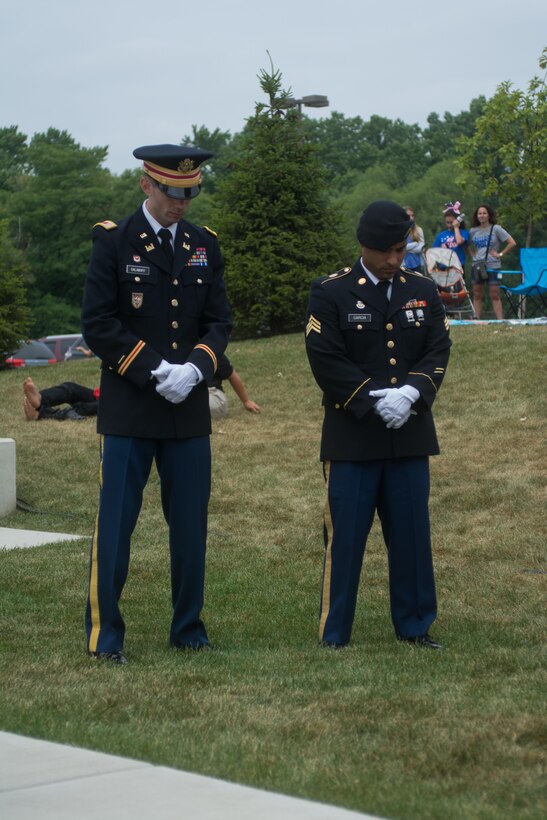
[(479, 251)]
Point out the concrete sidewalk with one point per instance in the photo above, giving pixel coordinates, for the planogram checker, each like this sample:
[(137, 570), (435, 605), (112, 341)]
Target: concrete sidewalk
[(13, 539), (40, 780)]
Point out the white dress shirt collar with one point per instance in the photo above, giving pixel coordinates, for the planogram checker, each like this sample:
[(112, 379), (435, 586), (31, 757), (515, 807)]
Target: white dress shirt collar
[(374, 279), (155, 225)]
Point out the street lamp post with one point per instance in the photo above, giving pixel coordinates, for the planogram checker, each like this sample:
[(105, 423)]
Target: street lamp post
[(311, 101)]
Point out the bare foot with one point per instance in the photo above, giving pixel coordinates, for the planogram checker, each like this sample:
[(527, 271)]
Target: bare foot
[(32, 393), (30, 412)]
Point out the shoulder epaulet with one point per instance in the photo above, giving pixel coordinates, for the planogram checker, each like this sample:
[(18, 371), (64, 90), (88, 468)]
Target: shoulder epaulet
[(337, 275), (412, 272), (107, 224), (210, 230)]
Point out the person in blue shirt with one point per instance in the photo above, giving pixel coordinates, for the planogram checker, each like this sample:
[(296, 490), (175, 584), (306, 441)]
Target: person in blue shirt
[(455, 236), (415, 244)]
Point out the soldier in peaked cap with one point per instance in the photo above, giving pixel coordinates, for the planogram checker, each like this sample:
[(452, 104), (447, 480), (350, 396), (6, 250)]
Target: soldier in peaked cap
[(378, 345), (155, 311)]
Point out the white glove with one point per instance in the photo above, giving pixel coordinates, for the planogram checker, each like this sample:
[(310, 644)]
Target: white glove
[(176, 381), (394, 405), (162, 371)]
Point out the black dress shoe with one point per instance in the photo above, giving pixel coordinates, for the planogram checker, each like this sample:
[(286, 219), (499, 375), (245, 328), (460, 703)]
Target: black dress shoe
[(423, 640), (113, 657)]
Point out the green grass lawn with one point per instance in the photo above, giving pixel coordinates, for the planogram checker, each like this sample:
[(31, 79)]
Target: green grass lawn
[(380, 727)]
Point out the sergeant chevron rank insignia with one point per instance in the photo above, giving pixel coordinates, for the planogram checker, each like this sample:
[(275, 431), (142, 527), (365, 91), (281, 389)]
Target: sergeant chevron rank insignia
[(313, 324)]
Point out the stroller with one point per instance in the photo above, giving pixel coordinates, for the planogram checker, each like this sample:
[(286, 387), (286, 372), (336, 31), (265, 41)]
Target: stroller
[(444, 267)]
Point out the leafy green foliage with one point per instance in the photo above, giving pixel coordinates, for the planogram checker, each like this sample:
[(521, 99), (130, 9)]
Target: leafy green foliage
[(13, 152), (14, 313), (277, 230), (441, 136), (54, 212), (425, 194), (508, 154), (221, 144), (285, 194)]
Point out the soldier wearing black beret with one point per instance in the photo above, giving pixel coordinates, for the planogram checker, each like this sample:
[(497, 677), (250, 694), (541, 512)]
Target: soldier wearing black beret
[(155, 311), (378, 344)]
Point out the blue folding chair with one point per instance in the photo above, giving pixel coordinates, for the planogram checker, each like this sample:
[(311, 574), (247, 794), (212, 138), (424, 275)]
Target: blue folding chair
[(531, 295)]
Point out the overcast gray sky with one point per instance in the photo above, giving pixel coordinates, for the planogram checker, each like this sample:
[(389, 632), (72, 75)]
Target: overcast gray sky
[(124, 73)]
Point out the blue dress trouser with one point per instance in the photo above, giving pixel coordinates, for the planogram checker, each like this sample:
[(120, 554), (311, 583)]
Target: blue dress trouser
[(399, 490), (184, 468)]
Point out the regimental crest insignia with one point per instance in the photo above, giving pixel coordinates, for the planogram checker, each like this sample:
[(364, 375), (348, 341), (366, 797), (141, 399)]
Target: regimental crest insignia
[(185, 166), (136, 300)]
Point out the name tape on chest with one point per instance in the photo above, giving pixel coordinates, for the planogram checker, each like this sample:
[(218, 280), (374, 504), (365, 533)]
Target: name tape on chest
[(137, 270), (359, 317)]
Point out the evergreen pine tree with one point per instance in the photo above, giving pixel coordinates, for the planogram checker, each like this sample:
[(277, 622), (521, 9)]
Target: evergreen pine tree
[(277, 232)]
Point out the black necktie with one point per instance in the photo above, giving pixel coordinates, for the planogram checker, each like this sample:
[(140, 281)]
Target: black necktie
[(383, 288), (165, 236)]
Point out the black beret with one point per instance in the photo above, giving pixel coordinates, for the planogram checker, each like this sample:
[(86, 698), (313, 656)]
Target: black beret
[(176, 168), (382, 225)]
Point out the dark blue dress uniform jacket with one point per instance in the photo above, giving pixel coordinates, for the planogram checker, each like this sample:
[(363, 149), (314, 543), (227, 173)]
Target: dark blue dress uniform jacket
[(137, 312), (356, 343)]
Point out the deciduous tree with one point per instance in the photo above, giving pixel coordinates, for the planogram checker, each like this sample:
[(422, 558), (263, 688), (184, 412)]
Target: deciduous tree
[(508, 153), (14, 314)]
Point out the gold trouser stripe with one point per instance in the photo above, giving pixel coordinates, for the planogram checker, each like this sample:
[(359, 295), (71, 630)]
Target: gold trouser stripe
[(209, 351), (94, 573), (414, 373), (325, 594), (355, 392), (132, 356)]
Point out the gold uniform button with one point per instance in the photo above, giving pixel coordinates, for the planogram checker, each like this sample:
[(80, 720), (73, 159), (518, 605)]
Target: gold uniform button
[(393, 361), (175, 282), (175, 302), (200, 281), (418, 324), (137, 278), (174, 345), (359, 327), (362, 280), (174, 325), (393, 380), (389, 326), (337, 407), (391, 343)]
